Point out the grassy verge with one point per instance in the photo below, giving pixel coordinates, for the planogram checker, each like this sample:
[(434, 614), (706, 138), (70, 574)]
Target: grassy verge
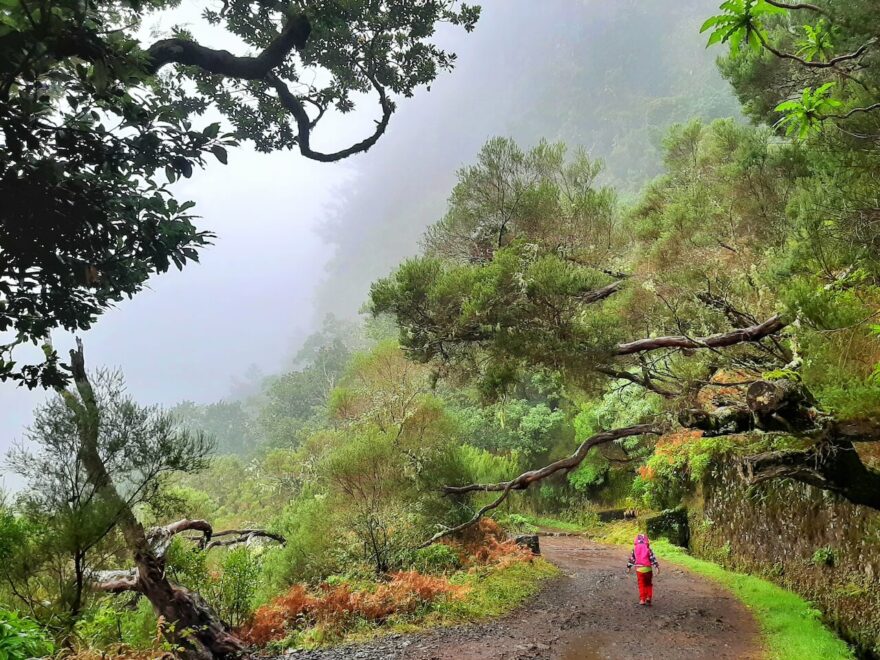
[(791, 627), (496, 592), (529, 524)]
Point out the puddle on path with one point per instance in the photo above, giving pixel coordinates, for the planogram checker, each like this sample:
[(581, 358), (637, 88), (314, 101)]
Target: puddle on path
[(585, 647)]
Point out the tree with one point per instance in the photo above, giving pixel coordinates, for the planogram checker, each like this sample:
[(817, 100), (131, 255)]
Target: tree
[(96, 124), (125, 451), (697, 256), (229, 423)]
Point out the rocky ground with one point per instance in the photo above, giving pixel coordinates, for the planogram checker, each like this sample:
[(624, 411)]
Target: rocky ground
[(591, 612)]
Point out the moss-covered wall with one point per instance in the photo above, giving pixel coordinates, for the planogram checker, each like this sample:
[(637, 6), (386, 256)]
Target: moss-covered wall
[(803, 538)]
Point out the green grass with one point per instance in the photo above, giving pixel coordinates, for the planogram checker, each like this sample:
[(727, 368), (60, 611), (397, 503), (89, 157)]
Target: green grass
[(534, 523), (791, 627), (496, 592)]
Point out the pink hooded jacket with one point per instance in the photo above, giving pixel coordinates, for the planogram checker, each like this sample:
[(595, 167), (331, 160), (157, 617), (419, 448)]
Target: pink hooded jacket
[(642, 556)]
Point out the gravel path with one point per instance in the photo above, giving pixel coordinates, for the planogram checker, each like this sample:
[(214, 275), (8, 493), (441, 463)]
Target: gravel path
[(591, 612)]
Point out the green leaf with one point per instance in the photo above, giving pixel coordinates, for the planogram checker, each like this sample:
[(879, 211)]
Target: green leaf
[(220, 153)]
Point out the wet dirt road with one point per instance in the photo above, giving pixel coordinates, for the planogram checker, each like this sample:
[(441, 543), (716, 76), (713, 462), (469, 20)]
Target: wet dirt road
[(590, 612)]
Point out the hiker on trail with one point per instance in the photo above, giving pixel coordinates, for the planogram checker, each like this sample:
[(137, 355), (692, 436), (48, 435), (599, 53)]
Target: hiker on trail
[(642, 557)]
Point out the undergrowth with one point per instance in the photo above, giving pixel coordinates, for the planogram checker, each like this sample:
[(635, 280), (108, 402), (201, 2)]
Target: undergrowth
[(495, 576)]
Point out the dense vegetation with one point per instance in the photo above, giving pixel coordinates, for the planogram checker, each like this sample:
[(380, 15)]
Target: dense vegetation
[(550, 338)]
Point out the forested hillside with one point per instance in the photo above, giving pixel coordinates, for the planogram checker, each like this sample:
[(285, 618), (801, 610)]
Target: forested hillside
[(586, 340), (574, 82)]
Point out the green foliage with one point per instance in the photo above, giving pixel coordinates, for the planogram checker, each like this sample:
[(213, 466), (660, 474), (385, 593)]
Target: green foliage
[(486, 467), (436, 559), (72, 529), (495, 593), (313, 549), (229, 583), (493, 281), (805, 116), (824, 557), (817, 44), (518, 523), (112, 622), (228, 422), (589, 474), (681, 461), (21, 638), (740, 24), (86, 168)]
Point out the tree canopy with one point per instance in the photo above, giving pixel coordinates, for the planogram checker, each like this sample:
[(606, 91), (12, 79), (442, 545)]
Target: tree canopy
[(96, 123)]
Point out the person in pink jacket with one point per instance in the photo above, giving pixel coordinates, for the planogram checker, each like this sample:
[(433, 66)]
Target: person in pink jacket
[(642, 557)]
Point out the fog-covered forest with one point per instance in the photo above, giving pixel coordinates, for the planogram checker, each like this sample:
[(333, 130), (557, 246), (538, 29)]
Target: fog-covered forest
[(391, 329)]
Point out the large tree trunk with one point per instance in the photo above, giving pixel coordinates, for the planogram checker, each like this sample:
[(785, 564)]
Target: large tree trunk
[(206, 635), (832, 463)]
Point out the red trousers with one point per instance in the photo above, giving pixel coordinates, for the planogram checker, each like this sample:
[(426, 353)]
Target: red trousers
[(646, 585)]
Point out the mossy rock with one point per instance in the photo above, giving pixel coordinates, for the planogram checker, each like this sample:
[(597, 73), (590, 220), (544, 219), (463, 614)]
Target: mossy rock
[(672, 525)]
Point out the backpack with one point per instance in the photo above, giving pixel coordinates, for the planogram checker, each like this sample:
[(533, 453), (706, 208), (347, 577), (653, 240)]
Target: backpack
[(642, 551)]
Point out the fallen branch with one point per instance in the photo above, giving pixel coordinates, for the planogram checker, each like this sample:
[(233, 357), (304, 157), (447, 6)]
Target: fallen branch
[(602, 293)]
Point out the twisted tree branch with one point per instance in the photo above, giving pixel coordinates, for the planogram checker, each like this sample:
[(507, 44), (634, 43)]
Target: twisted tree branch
[(190, 53), (527, 478), (830, 64), (524, 480), (798, 5), (741, 335), (304, 124)]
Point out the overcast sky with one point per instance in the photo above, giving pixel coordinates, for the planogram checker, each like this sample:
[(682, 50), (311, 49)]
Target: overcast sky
[(291, 230)]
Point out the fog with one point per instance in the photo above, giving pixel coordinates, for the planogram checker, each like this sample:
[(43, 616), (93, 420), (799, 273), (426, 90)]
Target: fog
[(298, 239)]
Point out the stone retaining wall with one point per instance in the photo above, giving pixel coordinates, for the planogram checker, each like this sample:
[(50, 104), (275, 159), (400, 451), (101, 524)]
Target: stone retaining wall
[(800, 537)]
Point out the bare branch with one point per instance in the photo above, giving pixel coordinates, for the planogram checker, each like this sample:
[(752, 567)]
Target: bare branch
[(242, 536), (798, 5), (854, 111), (830, 64), (160, 537), (117, 586), (473, 521), (304, 124), (643, 381), (741, 335), (524, 480)]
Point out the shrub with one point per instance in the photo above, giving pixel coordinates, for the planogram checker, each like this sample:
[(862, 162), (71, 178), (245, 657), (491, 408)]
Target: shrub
[(336, 607), (229, 584), (110, 623), (437, 558), (824, 557), (233, 592), (21, 638)]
